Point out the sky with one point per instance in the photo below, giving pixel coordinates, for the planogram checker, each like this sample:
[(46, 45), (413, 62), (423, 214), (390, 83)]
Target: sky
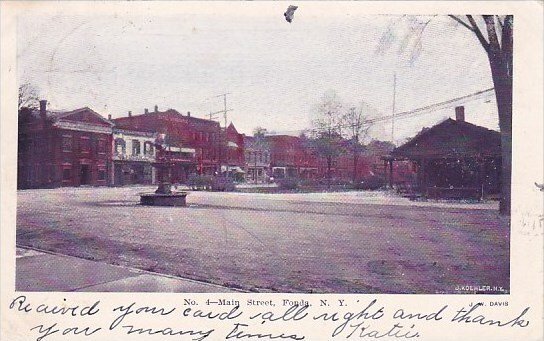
[(274, 72)]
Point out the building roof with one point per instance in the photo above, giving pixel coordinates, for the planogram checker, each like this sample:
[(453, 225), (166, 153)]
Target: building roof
[(282, 138), (451, 139), (84, 115), (173, 113)]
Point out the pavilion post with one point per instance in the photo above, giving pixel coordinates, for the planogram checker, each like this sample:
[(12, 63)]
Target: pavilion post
[(391, 173), (481, 177), (423, 182)]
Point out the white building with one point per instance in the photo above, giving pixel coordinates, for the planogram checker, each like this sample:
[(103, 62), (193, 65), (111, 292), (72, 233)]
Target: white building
[(132, 157)]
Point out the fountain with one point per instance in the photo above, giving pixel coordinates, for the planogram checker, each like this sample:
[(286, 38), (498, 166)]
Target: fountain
[(163, 195)]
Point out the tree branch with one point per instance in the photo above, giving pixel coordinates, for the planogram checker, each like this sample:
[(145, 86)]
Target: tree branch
[(500, 22), (461, 22), (478, 33), (492, 33)]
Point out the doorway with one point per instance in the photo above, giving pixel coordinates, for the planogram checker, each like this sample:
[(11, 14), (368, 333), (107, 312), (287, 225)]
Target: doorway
[(85, 175)]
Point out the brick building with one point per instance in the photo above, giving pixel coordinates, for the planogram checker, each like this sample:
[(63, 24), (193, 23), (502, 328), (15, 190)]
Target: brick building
[(193, 144), (232, 162), (291, 157), (63, 148)]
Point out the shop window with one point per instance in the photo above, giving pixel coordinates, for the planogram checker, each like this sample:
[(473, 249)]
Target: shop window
[(136, 147), (67, 174), (101, 174)]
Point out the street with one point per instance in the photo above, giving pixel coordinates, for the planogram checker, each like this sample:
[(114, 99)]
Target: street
[(356, 242)]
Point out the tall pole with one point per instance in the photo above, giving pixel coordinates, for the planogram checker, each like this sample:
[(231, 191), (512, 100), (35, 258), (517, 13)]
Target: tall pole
[(225, 143), (393, 110), (225, 109), (222, 134)]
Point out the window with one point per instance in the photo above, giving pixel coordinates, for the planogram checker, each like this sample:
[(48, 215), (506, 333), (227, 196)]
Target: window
[(148, 148), (66, 143), (101, 146), (85, 144), (120, 146), (135, 147)]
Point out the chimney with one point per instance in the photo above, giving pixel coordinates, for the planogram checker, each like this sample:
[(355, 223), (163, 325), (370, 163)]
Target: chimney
[(43, 109), (156, 108), (109, 117), (460, 114), (129, 113), (146, 111), (188, 114)]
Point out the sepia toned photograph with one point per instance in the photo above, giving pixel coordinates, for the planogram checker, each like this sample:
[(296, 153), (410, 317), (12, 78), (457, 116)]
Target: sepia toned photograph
[(286, 150)]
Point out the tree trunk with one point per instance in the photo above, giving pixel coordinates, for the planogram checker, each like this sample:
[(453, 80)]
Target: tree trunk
[(503, 92), (329, 166), (501, 63), (355, 159)]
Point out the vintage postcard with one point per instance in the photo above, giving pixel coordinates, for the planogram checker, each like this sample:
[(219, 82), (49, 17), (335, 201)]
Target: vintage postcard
[(272, 170)]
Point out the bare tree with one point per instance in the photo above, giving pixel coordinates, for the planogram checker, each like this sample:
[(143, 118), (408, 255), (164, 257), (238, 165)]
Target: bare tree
[(499, 49), (28, 96), (495, 34), (259, 131), (356, 130), (327, 130)]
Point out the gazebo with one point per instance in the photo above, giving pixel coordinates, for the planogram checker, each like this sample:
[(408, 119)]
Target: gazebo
[(453, 160)]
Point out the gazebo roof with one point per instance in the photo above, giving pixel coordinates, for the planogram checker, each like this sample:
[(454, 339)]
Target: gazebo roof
[(451, 139)]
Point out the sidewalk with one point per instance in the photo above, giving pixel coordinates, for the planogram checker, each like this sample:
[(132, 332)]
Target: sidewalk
[(41, 271)]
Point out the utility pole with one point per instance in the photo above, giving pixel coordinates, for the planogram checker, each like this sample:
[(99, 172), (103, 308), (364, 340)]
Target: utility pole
[(213, 115), (225, 143), (393, 111), (225, 108), (222, 135)]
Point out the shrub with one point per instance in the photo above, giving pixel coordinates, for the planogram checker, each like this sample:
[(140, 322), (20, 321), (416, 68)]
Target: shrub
[(372, 182), (222, 184), (199, 182), (288, 183)]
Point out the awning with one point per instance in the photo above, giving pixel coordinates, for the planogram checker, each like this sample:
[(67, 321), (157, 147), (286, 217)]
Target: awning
[(181, 150), (235, 169)]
